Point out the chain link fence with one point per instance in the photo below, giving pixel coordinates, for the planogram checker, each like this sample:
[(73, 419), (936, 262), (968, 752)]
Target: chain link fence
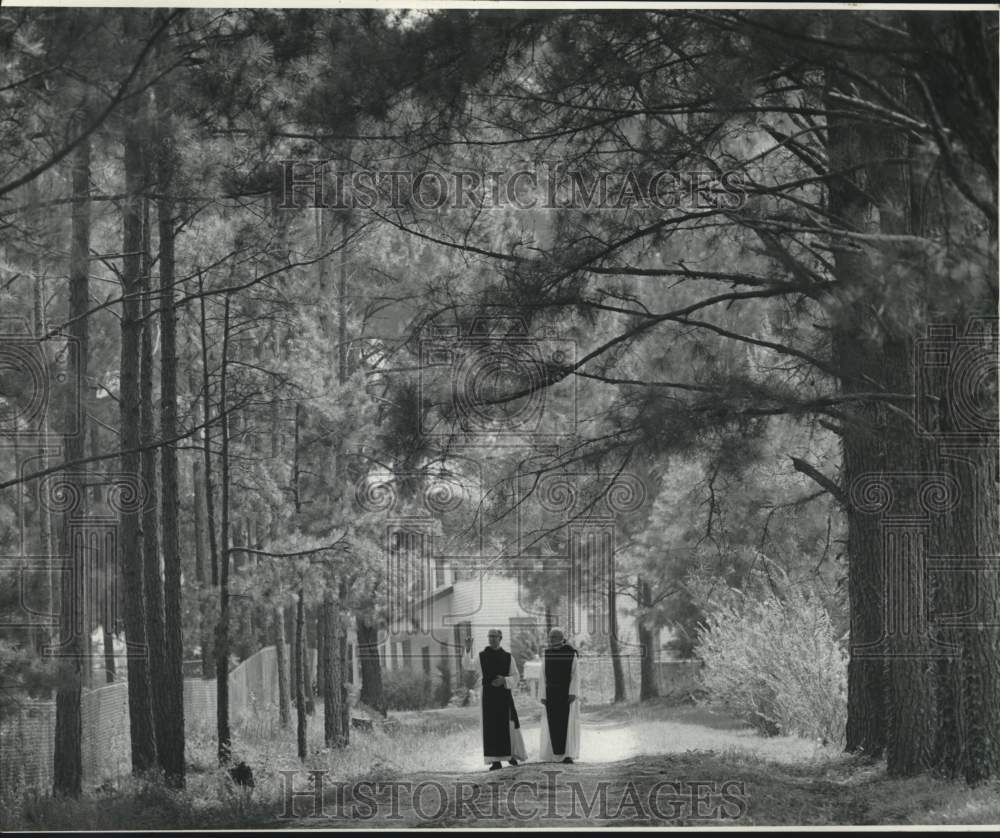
[(27, 736)]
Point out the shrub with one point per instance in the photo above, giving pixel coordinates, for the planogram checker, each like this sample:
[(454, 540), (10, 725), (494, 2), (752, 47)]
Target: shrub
[(407, 689), (773, 659), (469, 679)]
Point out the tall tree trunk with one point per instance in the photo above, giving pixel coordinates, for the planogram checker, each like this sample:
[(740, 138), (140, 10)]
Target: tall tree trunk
[(171, 757), (201, 536), (332, 675), (130, 531), (45, 533), (616, 658), (891, 696), (345, 696), (237, 647), (213, 540), (222, 628), (198, 486), (648, 682), (372, 692), (965, 432), (68, 747), (337, 622), (152, 575), (296, 454), (974, 593), (912, 715), (111, 582), (279, 650), (857, 357), (307, 668), (321, 652), (345, 703), (299, 670), (967, 539)]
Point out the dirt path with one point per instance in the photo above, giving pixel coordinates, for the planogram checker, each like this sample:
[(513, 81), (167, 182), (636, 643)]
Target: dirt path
[(603, 741), (631, 772)]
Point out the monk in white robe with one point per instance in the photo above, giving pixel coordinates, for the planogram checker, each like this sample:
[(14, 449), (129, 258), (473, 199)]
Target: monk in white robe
[(501, 728), (558, 689)]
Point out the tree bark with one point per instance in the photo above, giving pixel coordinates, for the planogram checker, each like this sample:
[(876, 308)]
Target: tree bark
[(45, 533), (332, 675), (171, 757), (111, 581), (130, 531), (222, 628), (213, 542), (201, 535), (974, 464), (68, 754), (198, 485), (299, 670), (345, 703), (857, 357), (891, 696), (152, 574), (616, 658), (321, 652), (307, 669), (208, 666), (372, 692), (649, 686), (284, 712)]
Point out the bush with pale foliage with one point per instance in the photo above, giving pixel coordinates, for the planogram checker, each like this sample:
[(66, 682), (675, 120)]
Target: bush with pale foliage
[(771, 656)]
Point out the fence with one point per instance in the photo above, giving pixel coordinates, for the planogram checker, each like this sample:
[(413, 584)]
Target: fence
[(27, 738), (675, 678)]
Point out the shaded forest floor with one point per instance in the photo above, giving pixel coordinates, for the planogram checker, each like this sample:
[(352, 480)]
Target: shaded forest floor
[(640, 766)]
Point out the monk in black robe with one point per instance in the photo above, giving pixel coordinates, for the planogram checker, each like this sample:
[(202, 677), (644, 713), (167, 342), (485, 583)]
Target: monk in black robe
[(557, 690), (501, 728)]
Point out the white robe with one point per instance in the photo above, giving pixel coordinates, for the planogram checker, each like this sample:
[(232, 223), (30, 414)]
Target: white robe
[(573, 728), (470, 663)]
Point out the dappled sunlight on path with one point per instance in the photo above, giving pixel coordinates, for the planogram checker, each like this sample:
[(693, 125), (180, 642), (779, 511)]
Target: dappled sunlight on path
[(606, 738)]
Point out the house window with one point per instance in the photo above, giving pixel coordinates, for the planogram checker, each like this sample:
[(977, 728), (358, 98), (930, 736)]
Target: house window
[(350, 663), (426, 652), (406, 653)]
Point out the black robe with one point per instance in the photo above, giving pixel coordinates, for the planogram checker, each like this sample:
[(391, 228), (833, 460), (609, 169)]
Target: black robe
[(498, 703), (557, 674)]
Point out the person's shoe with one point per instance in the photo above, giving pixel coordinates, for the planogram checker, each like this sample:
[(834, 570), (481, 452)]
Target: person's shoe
[(495, 766), (567, 761), (514, 762)]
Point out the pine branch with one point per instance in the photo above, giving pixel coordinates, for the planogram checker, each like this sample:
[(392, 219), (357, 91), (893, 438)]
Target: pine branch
[(829, 485)]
